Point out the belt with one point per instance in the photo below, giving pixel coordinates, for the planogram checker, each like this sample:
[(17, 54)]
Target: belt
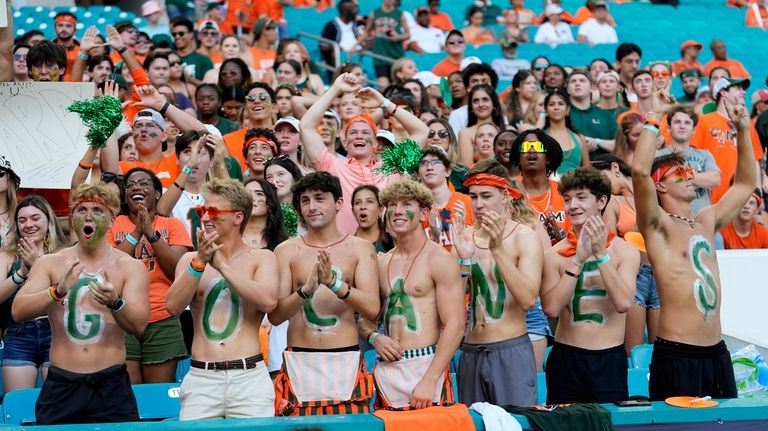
[(238, 364)]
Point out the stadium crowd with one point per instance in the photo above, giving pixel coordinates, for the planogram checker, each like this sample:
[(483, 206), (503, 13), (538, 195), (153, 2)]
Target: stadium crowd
[(244, 214)]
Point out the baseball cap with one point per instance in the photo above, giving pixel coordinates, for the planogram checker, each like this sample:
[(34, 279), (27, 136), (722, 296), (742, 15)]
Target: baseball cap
[(602, 3), (6, 164), (704, 89), (213, 130), (209, 25), (469, 60), (725, 83), (553, 9), (386, 135), (427, 78), (150, 7), (292, 121), (152, 115), (214, 4), (162, 40), (760, 96), (332, 114), (261, 24), (691, 43), (607, 75), (688, 73)]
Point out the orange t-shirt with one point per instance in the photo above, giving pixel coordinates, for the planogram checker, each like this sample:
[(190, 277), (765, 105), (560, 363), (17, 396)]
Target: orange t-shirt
[(715, 134), (234, 142), (272, 9), (237, 7), (757, 238), (752, 16), (680, 65), (263, 59), (445, 68), (735, 67), (173, 232), (549, 202), (441, 20), (71, 57), (446, 238), (438, 418), (117, 58), (167, 169), (583, 14)]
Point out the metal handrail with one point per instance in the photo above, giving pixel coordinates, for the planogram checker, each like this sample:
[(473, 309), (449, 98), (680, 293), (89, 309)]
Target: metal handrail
[(333, 43)]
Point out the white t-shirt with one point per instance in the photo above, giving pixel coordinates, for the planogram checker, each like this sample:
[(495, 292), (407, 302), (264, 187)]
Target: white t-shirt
[(597, 33), (186, 202), (507, 68), (347, 37), (554, 35), (430, 39)]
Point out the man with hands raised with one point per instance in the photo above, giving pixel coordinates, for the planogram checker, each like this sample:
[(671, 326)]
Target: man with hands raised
[(93, 294), (689, 357), (326, 276), (589, 282), (503, 259), (230, 286), (358, 137), (422, 307)]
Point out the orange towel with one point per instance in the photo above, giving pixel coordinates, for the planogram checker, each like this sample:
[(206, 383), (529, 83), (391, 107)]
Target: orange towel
[(451, 418)]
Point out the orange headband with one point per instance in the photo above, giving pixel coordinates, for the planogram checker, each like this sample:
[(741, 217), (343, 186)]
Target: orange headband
[(759, 199), (262, 139), (659, 173), (93, 199), (493, 181), (365, 118), (65, 18)]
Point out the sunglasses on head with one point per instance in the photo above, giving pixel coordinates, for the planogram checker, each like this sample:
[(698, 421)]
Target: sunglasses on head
[(212, 212), (681, 174), (440, 133), (109, 177), (261, 96), (532, 146)]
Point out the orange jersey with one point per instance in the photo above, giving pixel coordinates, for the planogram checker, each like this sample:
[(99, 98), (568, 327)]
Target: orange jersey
[(234, 142), (173, 232), (237, 9), (263, 59), (441, 20), (714, 133), (167, 169), (757, 238), (735, 67), (550, 202)]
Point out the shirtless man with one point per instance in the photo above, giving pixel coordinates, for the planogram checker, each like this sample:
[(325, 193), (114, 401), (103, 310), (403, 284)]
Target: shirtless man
[(421, 291), (689, 357), (325, 277), (589, 282), (504, 261), (231, 286), (93, 294)]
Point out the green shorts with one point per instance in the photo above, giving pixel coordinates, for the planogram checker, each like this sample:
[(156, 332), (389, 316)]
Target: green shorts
[(160, 342)]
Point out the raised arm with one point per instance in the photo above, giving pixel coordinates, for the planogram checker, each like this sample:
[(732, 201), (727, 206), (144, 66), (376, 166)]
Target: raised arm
[(116, 42), (744, 180), (6, 46), (373, 100), (313, 143), (152, 99), (87, 43), (184, 286)]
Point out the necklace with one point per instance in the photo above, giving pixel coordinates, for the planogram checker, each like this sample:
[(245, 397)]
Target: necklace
[(536, 204), (322, 247), (94, 274), (690, 222), (474, 241), (410, 267)]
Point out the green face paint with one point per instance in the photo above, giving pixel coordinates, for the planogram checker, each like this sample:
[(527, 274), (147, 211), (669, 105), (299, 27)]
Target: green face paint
[(369, 141), (390, 214), (492, 303), (400, 306), (82, 328), (579, 293), (317, 321), (704, 287), (152, 135), (233, 310), (100, 227), (410, 214)]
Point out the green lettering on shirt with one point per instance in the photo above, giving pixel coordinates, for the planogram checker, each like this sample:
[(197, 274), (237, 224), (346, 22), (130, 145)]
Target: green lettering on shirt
[(217, 294), (82, 327), (401, 306), (704, 287), (491, 302), (580, 293)]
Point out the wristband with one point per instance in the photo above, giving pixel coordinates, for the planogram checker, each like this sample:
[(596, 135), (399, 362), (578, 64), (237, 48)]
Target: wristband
[(17, 279), (346, 295), (394, 111), (83, 56), (154, 238), (301, 293), (572, 274), (372, 337), (186, 170), (598, 141), (131, 240), (338, 282), (122, 50), (178, 186), (164, 108), (53, 294), (465, 261), (84, 165), (200, 267), (603, 259), (193, 272), (386, 104), (653, 129)]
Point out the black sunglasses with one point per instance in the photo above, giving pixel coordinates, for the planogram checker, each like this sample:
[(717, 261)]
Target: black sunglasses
[(441, 133), (109, 177), (174, 63), (179, 33)]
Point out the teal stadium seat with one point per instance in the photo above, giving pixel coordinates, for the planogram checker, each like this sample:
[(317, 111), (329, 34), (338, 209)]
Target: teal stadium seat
[(182, 368), (541, 386), (637, 381), (157, 401), (19, 406), (640, 357), (370, 359)]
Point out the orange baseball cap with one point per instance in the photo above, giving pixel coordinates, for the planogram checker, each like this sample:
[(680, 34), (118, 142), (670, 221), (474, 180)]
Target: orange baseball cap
[(691, 43)]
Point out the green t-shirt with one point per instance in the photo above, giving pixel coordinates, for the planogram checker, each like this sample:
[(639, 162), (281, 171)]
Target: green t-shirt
[(490, 13), (197, 64), (225, 125), (594, 122), (385, 23)]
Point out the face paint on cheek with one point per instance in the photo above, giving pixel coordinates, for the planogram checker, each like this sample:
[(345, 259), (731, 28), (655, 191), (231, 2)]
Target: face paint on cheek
[(410, 214), (152, 135), (35, 74), (390, 214), (55, 72), (369, 141)]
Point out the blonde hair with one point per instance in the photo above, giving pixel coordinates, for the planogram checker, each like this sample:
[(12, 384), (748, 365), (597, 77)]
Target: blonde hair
[(397, 67), (621, 149), (406, 190), (235, 193), (100, 192), (530, 116)]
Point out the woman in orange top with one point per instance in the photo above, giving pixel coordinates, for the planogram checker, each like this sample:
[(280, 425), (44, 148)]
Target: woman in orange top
[(474, 33)]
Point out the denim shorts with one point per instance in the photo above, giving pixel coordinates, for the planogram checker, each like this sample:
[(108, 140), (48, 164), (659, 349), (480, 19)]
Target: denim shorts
[(536, 321), (27, 343), (646, 294)]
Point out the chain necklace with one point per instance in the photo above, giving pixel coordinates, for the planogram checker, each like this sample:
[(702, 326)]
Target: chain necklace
[(94, 274), (410, 267), (691, 222), (322, 247)]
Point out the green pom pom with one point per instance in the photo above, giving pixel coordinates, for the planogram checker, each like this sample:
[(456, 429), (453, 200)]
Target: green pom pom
[(403, 158), (101, 115), (290, 219)]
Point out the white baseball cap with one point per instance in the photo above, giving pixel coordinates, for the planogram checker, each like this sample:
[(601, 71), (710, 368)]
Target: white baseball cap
[(469, 60), (293, 121), (386, 135)]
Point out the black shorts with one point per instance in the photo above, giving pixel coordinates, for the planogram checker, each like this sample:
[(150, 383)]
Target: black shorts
[(103, 396), (679, 369), (576, 375)]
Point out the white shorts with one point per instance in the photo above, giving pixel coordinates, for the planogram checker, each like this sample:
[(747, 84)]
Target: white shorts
[(208, 394)]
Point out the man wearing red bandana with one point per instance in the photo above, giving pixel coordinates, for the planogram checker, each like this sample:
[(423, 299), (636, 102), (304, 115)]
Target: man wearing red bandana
[(689, 357), (589, 283), (503, 259), (64, 26)]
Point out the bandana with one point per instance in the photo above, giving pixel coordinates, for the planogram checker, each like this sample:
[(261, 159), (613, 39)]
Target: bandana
[(759, 199), (365, 118), (492, 181), (659, 173), (65, 18), (573, 241), (262, 139)]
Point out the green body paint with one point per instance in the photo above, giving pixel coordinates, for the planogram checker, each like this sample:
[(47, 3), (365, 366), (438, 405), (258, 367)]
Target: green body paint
[(82, 328), (410, 214), (234, 312), (318, 321), (400, 306), (704, 287), (492, 302), (579, 293)]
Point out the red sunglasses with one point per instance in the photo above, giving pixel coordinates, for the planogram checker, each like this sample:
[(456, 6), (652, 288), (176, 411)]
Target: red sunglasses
[(213, 212)]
